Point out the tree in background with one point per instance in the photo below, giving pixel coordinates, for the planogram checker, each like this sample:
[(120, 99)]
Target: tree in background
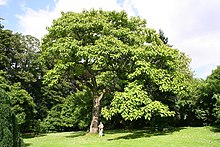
[(23, 106), (110, 53), (9, 129), (18, 58), (21, 103), (162, 36), (208, 105), (187, 105)]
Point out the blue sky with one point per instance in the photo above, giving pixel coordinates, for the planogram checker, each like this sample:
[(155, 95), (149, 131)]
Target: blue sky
[(192, 26), (10, 9)]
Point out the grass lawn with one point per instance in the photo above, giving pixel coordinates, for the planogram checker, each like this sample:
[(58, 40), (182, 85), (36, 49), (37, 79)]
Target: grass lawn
[(179, 137)]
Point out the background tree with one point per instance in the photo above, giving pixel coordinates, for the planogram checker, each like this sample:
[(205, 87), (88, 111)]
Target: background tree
[(21, 103), (9, 130), (162, 36), (110, 53), (23, 106), (18, 56), (187, 105), (208, 107)]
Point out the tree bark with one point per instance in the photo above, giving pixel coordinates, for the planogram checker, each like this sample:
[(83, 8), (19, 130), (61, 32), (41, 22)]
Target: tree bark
[(95, 113)]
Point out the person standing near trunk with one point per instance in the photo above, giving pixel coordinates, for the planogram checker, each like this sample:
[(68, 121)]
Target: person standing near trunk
[(101, 127)]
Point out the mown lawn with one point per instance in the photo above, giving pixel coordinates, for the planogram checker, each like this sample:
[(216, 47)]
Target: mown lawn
[(179, 137)]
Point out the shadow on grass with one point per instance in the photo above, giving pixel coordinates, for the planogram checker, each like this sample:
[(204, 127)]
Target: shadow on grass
[(32, 135), (142, 133), (76, 134), (27, 144), (215, 129)]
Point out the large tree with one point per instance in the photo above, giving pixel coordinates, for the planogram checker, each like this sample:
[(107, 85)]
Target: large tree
[(111, 53)]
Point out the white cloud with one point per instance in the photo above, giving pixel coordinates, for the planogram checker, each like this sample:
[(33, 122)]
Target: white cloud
[(191, 25), (77, 6), (3, 2), (128, 7), (35, 22)]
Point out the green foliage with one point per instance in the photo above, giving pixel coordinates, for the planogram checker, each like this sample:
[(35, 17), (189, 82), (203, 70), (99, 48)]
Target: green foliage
[(217, 108), (135, 103), (7, 45), (51, 96), (186, 106), (74, 113), (22, 73), (18, 56), (6, 135), (89, 43), (208, 102), (162, 36), (23, 106), (9, 134)]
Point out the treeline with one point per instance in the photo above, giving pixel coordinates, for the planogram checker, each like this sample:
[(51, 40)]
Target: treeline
[(102, 66)]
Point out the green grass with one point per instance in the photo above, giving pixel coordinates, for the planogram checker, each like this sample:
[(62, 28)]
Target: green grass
[(179, 137)]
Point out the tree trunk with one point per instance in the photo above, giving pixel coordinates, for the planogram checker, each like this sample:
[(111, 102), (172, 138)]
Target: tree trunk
[(95, 113)]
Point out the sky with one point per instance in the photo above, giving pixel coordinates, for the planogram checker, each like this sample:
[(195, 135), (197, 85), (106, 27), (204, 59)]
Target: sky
[(192, 26)]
